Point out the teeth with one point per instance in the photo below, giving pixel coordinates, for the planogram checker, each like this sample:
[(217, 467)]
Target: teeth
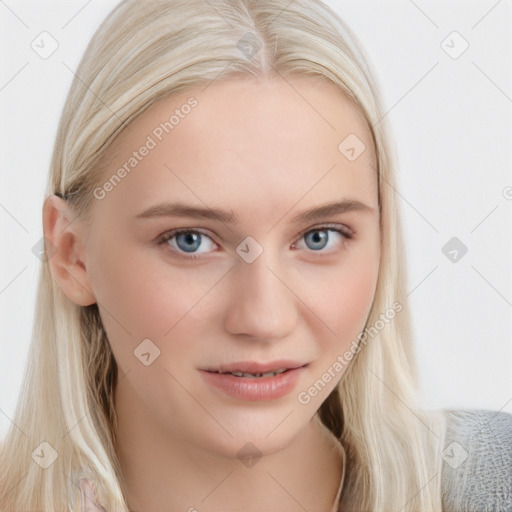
[(256, 375)]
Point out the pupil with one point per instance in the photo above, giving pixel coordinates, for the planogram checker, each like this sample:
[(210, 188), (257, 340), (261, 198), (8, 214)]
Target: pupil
[(190, 238), (318, 237)]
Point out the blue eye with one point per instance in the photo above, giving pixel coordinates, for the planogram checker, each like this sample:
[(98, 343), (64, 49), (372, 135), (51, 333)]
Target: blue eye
[(317, 238), (188, 242), (320, 238)]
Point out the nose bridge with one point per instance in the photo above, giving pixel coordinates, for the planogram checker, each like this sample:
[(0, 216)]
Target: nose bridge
[(262, 305)]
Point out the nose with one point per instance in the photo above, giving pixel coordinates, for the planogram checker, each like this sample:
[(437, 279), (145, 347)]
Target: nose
[(262, 305)]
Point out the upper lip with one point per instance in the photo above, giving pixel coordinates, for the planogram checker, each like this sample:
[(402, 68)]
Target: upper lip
[(252, 367)]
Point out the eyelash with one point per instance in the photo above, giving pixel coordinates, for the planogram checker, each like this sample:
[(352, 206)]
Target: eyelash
[(345, 233)]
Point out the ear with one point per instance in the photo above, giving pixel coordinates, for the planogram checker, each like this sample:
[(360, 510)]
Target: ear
[(65, 234)]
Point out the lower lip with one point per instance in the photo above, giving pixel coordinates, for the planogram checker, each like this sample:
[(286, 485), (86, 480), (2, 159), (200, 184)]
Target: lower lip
[(260, 388)]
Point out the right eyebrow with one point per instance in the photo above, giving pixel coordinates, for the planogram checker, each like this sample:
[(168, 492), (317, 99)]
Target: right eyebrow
[(230, 217)]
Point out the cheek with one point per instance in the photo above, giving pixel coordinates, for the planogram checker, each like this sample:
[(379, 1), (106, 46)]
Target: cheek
[(342, 298), (143, 297), (354, 298)]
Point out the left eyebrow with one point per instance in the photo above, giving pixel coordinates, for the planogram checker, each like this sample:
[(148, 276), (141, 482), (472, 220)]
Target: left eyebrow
[(229, 217), (326, 210)]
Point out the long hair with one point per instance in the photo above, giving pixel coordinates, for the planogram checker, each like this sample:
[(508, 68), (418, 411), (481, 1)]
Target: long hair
[(144, 52)]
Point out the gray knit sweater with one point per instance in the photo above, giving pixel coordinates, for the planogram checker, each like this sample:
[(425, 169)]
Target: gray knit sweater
[(477, 468)]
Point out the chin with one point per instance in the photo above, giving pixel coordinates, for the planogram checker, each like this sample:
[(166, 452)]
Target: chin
[(263, 432)]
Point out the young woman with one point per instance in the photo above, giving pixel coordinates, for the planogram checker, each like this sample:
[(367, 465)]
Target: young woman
[(222, 321)]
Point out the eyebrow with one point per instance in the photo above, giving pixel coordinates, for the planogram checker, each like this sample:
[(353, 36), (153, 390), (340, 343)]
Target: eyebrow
[(230, 217)]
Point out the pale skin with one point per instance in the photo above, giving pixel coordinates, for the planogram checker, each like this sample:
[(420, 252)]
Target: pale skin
[(260, 149)]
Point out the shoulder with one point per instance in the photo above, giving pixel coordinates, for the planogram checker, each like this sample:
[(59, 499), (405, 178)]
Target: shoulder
[(477, 461)]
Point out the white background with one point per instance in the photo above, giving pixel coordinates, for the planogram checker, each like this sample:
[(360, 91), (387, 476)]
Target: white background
[(452, 124)]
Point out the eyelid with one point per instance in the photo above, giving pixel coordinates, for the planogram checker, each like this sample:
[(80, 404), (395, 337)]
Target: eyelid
[(165, 237), (345, 231)]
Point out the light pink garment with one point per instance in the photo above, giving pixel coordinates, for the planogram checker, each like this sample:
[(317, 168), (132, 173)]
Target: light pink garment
[(89, 497)]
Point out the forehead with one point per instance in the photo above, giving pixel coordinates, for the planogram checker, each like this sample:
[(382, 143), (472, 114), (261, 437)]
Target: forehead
[(308, 114), (271, 139)]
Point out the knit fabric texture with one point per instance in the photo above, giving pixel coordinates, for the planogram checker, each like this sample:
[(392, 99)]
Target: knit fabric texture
[(477, 461)]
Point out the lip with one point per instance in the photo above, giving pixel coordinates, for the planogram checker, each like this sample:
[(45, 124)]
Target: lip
[(253, 367), (254, 389)]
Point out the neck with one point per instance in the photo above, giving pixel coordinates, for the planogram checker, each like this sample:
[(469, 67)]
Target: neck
[(165, 474)]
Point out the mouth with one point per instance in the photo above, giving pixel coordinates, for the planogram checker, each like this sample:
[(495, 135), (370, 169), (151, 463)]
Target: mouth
[(252, 375), (252, 370), (253, 381)]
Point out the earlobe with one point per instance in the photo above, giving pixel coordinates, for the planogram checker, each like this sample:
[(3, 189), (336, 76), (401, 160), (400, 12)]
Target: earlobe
[(66, 233)]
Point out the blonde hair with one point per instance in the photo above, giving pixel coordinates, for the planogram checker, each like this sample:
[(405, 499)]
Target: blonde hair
[(143, 52)]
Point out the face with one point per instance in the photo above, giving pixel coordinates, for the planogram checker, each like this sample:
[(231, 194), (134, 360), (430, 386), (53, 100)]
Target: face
[(252, 282)]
